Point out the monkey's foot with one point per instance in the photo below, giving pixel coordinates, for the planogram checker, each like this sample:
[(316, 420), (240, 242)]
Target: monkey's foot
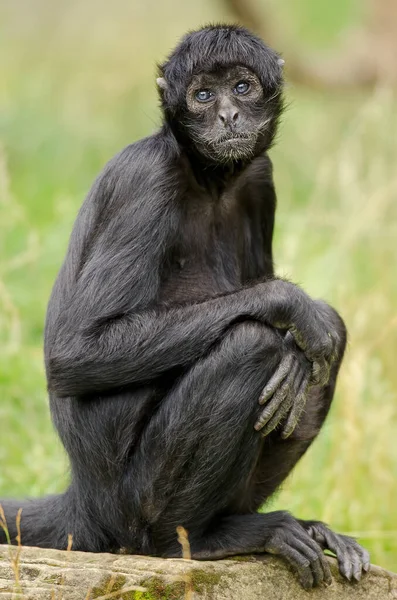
[(302, 544), (353, 560), (292, 542)]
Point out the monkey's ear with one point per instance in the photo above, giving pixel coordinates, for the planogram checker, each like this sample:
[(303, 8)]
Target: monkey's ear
[(161, 82), (281, 62)]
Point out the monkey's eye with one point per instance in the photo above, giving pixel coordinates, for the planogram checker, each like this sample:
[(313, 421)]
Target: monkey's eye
[(242, 87), (204, 95)]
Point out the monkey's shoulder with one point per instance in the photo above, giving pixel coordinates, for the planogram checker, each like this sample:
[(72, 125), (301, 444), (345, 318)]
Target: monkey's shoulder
[(144, 161), (141, 178)]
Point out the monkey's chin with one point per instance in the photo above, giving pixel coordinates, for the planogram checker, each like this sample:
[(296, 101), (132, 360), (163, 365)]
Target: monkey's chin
[(233, 150)]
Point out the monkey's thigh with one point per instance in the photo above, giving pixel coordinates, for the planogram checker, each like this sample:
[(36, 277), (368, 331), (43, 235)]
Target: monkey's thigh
[(200, 448)]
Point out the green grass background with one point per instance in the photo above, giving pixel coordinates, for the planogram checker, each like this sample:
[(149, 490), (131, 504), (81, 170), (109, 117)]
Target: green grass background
[(76, 85)]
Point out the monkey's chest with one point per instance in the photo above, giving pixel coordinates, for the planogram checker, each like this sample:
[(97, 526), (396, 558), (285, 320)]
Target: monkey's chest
[(193, 279), (212, 261)]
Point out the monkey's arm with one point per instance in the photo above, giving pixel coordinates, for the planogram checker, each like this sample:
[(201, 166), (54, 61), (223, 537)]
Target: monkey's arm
[(98, 354), (108, 332)]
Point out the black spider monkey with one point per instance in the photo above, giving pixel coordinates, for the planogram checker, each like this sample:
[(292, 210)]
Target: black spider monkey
[(185, 379)]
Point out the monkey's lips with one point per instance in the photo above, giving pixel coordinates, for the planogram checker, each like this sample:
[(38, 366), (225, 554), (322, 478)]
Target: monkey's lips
[(235, 146), (236, 138)]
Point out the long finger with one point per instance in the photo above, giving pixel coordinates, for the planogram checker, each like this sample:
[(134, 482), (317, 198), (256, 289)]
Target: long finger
[(298, 407), (298, 338), (359, 557), (320, 567), (320, 372), (299, 563), (336, 544), (278, 377), (362, 552), (276, 401), (356, 562), (279, 416)]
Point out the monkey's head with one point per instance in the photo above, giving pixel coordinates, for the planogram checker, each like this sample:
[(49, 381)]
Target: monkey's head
[(221, 91)]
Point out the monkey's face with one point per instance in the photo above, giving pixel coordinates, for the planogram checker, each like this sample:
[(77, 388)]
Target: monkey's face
[(229, 117)]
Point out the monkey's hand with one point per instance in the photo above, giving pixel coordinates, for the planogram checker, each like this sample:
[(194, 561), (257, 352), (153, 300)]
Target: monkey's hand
[(329, 325), (315, 326), (286, 392)]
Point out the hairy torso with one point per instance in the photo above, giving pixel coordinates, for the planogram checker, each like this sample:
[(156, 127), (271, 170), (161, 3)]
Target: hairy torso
[(223, 239)]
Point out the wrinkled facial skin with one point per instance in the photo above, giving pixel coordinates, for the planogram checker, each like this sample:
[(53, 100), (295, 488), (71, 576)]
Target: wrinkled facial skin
[(233, 114)]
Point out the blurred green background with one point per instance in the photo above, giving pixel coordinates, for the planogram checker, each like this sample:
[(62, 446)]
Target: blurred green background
[(76, 85)]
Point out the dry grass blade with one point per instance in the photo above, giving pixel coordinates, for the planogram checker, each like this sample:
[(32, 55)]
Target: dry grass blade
[(120, 593), (3, 525), (109, 588), (62, 583), (16, 557), (13, 556), (183, 539), (88, 594)]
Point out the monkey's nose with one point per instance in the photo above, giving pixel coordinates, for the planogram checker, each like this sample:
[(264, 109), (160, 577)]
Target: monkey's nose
[(228, 116)]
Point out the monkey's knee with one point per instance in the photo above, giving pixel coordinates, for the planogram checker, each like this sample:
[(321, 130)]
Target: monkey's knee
[(342, 341), (342, 334), (337, 325), (312, 420), (254, 341)]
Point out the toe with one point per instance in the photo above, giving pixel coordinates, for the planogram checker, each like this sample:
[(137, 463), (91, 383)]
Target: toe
[(319, 567), (298, 562), (359, 556), (337, 545), (356, 564)]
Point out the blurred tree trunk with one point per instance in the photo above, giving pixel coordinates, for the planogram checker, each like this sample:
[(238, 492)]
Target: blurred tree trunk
[(383, 33), (368, 55)]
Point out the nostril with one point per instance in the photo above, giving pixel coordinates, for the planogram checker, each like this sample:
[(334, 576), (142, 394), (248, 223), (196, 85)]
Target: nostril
[(228, 117)]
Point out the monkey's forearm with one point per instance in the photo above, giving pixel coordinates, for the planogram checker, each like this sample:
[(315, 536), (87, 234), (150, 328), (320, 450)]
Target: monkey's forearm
[(139, 347)]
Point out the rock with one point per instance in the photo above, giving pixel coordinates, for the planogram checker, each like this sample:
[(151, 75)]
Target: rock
[(56, 575)]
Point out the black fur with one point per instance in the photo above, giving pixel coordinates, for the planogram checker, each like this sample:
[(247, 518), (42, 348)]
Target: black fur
[(160, 337)]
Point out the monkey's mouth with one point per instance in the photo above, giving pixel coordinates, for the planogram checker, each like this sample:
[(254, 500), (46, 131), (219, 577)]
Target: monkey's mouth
[(236, 138), (233, 146)]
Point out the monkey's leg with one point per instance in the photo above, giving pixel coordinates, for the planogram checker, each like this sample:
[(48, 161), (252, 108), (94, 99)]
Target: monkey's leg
[(48, 522), (279, 456), (300, 543), (201, 446), (201, 451)]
